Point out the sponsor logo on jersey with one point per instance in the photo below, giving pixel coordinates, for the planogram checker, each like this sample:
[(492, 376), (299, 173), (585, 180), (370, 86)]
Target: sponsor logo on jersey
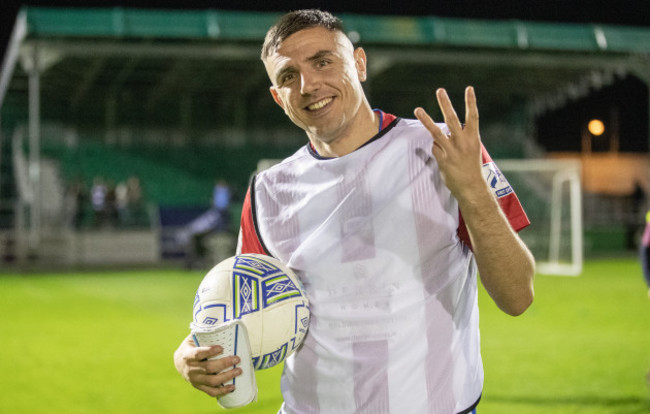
[(496, 180)]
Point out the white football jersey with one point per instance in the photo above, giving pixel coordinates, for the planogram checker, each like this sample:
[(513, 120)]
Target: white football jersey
[(373, 236)]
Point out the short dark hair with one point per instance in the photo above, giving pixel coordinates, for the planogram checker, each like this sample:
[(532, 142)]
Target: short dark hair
[(296, 21)]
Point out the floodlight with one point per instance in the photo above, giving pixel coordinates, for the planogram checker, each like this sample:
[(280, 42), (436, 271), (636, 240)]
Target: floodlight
[(596, 127)]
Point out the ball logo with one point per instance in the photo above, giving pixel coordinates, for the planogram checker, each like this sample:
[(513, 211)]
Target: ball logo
[(278, 289), (259, 267), (271, 359), (210, 321), (245, 295)]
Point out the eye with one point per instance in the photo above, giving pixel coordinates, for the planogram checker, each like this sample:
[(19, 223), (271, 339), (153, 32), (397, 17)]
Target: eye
[(322, 62), (287, 77)]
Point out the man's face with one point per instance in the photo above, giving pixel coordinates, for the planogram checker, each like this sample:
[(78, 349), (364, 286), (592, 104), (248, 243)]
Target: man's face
[(316, 76)]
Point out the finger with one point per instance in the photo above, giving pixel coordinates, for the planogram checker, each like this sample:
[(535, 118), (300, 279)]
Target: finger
[(205, 352), (440, 139), (216, 379), (216, 391), (204, 377), (438, 150), (221, 364), (215, 372), (428, 123), (471, 110), (448, 112), (190, 351), (217, 384), (189, 340)]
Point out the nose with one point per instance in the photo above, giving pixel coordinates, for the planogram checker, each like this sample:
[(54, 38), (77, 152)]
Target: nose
[(310, 82)]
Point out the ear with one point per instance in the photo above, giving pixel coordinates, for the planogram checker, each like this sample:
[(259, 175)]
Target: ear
[(360, 63), (276, 96)]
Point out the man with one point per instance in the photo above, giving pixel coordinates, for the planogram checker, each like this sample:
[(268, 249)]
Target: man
[(644, 253), (386, 221)]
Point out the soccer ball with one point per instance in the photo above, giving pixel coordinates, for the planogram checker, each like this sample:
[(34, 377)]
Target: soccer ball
[(265, 295)]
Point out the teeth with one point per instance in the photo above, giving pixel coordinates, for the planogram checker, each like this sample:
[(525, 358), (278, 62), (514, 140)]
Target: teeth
[(319, 105)]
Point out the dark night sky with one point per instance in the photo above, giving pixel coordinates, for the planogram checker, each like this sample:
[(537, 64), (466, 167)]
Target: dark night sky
[(626, 12)]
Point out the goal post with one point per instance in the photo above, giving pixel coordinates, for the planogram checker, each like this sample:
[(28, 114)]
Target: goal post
[(551, 194)]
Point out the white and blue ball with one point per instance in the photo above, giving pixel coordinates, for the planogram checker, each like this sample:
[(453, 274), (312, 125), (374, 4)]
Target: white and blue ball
[(265, 295)]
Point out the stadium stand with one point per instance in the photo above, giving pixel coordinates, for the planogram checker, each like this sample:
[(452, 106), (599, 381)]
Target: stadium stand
[(180, 98)]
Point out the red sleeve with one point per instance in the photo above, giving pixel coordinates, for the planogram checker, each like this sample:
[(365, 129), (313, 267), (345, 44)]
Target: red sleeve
[(509, 204), (249, 240)]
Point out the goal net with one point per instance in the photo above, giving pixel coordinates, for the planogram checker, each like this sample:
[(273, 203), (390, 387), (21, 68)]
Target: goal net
[(550, 192)]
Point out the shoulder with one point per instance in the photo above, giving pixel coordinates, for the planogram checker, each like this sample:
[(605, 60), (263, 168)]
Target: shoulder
[(283, 170), (278, 165), (415, 126), (413, 129)]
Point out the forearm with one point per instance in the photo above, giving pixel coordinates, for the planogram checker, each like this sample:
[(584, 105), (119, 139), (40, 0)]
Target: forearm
[(506, 266)]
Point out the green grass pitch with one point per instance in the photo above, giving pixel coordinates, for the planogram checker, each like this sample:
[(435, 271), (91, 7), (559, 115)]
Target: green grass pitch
[(102, 342)]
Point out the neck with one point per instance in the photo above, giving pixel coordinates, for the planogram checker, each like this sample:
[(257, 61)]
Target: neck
[(362, 129)]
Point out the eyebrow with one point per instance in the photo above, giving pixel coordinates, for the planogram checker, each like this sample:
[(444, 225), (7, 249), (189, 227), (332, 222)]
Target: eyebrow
[(319, 55), (314, 57)]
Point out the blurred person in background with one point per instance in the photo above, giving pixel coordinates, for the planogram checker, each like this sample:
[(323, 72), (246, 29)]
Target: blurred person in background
[(221, 202), (130, 204), (76, 198), (213, 221), (644, 252), (98, 192)]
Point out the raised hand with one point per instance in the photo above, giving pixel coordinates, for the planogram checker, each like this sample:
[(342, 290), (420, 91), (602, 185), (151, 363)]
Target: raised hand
[(459, 153)]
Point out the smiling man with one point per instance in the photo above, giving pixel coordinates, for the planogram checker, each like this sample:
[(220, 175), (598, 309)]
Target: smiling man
[(387, 222), (317, 81)]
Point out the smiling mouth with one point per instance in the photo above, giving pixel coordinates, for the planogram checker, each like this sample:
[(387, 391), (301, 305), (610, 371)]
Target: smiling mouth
[(320, 104)]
